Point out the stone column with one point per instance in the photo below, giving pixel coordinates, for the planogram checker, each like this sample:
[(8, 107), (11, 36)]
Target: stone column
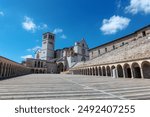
[(132, 74), (92, 72), (106, 72), (116, 70), (124, 76), (98, 71), (95, 71), (142, 76)]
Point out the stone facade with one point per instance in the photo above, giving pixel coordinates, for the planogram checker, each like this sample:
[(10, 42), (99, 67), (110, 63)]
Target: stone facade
[(126, 57), (41, 66), (59, 60)]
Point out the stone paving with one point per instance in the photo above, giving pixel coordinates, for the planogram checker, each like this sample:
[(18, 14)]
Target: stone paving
[(70, 87)]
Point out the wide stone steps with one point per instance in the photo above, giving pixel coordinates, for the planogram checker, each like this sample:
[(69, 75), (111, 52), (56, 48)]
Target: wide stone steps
[(58, 87)]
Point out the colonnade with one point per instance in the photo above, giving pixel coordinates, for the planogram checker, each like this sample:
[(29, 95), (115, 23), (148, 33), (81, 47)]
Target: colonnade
[(10, 68), (134, 69)]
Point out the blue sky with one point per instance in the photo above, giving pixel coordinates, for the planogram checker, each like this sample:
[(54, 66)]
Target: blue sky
[(22, 22)]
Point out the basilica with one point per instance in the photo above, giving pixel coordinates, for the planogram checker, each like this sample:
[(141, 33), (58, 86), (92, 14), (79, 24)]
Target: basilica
[(49, 60)]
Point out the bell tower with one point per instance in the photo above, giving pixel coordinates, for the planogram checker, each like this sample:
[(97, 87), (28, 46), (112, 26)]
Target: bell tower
[(48, 42)]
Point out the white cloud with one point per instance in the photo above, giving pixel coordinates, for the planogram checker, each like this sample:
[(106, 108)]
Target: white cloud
[(1, 13), (137, 6), (26, 56), (34, 49), (63, 36), (29, 25), (57, 30), (114, 24)]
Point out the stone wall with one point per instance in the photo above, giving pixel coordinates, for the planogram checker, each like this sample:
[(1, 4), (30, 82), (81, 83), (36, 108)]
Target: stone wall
[(100, 50)]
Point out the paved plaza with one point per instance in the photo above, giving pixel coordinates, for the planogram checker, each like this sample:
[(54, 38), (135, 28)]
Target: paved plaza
[(46, 86)]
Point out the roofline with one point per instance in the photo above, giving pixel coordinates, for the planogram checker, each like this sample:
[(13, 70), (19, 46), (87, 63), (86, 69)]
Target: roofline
[(10, 60), (49, 32), (120, 38)]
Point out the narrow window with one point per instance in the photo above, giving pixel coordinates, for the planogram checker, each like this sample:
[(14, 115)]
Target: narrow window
[(144, 33), (105, 49), (114, 47), (99, 52)]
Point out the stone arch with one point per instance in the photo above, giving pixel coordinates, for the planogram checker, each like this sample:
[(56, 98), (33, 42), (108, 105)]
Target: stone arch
[(90, 71), (86, 71), (96, 71), (93, 71), (36, 71), (80, 71), (41, 71), (108, 71), (127, 71), (120, 71), (0, 68), (100, 71), (136, 70), (60, 67), (39, 64), (3, 70), (44, 71), (104, 71), (6, 70), (146, 69), (35, 64)]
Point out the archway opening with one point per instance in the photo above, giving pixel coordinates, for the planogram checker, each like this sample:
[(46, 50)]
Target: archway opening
[(100, 71), (146, 69), (127, 70), (41, 71), (104, 71), (36, 71), (0, 68), (90, 71), (96, 71), (3, 71), (39, 64), (108, 71), (120, 71), (136, 70), (93, 71)]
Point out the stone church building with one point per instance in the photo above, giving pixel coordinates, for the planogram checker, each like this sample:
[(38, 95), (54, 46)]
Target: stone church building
[(49, 60)]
